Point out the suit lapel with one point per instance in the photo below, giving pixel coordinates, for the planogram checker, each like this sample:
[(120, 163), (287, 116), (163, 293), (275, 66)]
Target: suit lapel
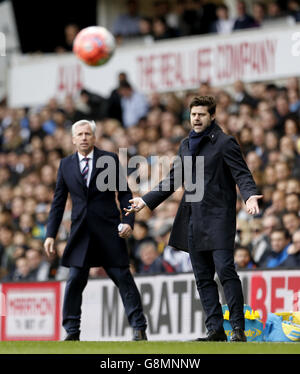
[(76, 169), (95, 170)]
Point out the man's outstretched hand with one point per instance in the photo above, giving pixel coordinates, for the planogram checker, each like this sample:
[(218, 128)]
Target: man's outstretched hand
[(252, 204), (137, 204)]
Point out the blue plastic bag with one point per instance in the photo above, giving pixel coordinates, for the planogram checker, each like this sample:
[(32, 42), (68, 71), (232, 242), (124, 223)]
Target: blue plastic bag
[(253, 324), (282, 327)]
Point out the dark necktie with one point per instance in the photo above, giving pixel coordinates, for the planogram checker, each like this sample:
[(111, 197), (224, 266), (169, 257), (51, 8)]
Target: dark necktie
[(85, 170)]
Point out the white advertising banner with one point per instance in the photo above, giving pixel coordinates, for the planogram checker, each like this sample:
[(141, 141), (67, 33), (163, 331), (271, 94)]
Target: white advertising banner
[(171, 306), (170, 65)]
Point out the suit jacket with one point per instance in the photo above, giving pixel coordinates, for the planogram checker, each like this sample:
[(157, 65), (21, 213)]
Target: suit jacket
[(214, 216), (95, 215)]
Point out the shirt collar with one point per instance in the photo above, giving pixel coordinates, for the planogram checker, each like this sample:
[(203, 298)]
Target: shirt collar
[(90, 155)]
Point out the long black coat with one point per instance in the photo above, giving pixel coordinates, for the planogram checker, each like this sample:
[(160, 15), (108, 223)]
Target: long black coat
[(95, 215), (214, 217)]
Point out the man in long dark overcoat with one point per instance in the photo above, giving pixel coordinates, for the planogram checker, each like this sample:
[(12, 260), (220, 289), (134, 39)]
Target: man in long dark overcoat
[(205, 223), (95, 239)]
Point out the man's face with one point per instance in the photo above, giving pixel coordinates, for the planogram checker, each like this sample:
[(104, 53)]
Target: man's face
[(241, 258), (84, 139), (278, 241), (200, 118), (290, 222), (296, 241)]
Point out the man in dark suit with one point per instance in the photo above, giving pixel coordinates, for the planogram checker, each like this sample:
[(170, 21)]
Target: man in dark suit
[(94, 238), (206, 226)]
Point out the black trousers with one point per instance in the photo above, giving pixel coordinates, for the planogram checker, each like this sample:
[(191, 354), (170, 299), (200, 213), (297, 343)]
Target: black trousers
[(123, 279), (205, 264)]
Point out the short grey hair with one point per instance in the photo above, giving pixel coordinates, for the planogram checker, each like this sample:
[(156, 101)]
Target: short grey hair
[(84, 122)]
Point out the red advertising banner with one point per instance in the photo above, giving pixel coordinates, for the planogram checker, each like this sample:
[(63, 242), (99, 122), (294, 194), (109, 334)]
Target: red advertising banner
[(274, 291), (32, 311)]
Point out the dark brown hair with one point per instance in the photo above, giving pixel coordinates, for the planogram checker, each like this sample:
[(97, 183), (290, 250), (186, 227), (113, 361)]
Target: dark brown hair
[(208, 101)]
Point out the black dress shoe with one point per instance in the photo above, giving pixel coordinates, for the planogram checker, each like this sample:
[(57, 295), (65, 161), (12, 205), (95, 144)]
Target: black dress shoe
[(139, 335), (73, 336), (214, 336), (238, 335)]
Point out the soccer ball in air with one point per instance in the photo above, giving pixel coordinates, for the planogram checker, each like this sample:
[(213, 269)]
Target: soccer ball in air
[(94, 45)]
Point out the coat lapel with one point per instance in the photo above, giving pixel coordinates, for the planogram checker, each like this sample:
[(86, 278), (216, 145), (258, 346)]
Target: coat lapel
[(95, 170), (76, 168), (212, 136)]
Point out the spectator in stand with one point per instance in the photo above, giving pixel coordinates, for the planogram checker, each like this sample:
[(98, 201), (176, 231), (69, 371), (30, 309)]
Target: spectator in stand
[(294, 101), (282, 112), (258, 243), (243, 20), (223, 24), (274, 10), (70, 31), (259, 13), (36, 126), (241, 95), (293, 186), (40, 225), (7, 247), (242, 258), (278, 204), (293, 258), (291, 127), (179, 260), (48, 124), (161, 30), (39, 268), (145, 26), (152, 262), (134, 105), (261, 249), (294, 9), (95, 103), (291, 222), (258, 139), (195, 16), (172, 15), (292, 203), (254, 163), (114, 108), (21, 273), (280, 243), (127, 25), (139, 236)]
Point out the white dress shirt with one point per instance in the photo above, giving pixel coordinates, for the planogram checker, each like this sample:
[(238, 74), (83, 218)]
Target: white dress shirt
[(82, 164)]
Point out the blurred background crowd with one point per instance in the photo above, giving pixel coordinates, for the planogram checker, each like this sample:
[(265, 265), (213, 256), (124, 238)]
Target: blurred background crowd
[(195, 17), (191, 17), (147, 22), (263, 116)]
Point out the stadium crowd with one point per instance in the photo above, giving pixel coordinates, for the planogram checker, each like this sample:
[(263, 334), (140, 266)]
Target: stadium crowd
[(263, 116), (195, 17), (190, 17)]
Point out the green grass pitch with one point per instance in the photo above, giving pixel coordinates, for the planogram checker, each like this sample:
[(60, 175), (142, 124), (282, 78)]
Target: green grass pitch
[(149, 347)]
